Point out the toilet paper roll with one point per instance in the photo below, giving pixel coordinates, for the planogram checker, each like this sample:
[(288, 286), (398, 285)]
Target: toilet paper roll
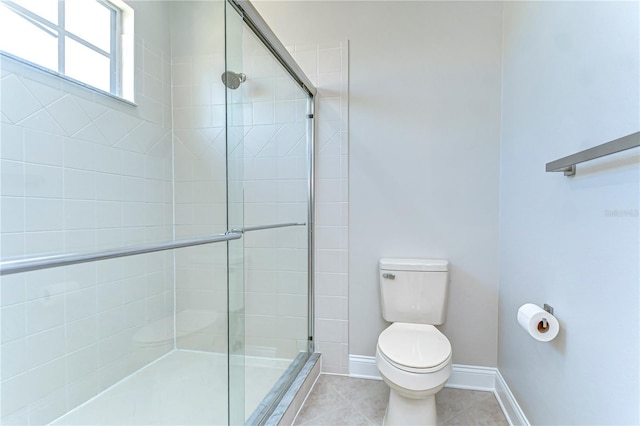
[(540, 324)]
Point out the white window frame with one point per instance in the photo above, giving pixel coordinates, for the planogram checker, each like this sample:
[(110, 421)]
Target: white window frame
[(121, 32)]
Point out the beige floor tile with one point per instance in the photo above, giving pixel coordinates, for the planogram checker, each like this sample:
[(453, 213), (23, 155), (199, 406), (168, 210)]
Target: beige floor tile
[(345, 401), (356, 389), (373, 408), (450, 402), (344, 416), (482, 413), (320, 399)]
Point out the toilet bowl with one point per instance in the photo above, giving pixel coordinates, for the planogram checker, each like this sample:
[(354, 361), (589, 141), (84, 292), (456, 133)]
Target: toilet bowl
[(415, 361), (412, 355)]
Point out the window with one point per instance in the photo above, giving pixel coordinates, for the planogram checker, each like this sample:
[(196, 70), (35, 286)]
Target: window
[(77, 38)]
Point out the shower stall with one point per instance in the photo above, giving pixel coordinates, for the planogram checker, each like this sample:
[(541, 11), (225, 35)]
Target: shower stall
[(156, 238)]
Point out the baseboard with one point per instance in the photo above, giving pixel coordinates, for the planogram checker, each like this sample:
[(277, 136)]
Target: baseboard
[(363, 367), (508, 402), (462, 377), (472, 377)]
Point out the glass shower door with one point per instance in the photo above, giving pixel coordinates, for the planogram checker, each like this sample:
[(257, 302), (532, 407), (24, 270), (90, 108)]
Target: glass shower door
[(269, 171)]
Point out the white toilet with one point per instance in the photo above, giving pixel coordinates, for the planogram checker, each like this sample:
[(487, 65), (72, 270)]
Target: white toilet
[(414, 357)]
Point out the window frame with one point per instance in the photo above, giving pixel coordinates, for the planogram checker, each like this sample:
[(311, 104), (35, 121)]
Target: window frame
[(59, 30)]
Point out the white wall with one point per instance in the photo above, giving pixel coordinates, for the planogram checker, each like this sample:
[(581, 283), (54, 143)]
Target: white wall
[(571, 81), (424, 111)]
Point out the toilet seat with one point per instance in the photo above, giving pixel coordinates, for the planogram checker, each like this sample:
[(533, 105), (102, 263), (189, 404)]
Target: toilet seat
[(415, 348)]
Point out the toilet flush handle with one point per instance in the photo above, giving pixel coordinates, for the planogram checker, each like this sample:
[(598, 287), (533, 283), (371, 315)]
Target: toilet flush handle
[(389, 276)]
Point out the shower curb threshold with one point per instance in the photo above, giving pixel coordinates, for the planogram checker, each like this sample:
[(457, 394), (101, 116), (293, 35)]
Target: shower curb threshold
[(288, 406)]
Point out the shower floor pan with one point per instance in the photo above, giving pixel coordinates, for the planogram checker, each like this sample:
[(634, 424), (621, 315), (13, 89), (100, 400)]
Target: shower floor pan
[(181, 388)]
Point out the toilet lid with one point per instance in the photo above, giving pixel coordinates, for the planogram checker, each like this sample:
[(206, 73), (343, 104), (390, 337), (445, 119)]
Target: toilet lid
[(414, 345)]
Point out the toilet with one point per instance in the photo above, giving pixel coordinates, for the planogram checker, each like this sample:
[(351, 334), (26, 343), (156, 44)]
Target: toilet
[(413, 356)]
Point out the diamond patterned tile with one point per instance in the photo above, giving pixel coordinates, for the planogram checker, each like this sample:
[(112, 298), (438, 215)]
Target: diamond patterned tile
[(142, 138), (42, 120), (327, 130), (288, 138), (114, 125), (258, 138), (68, 115), (44, 93), (92, 134), (194, 141), (92, 109), (17, 102)]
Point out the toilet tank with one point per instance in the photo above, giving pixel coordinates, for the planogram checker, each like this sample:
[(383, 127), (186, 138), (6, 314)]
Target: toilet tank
[(414, 290)]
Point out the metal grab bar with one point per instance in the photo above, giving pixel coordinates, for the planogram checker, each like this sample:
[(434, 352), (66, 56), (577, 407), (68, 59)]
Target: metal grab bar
[(261, 227), (568, 164), (34, 264)]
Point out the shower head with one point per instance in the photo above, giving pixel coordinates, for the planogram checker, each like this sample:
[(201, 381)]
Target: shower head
[(233, 80)]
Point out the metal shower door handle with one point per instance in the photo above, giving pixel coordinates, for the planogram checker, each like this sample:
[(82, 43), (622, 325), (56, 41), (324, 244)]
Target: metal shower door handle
[(388, 276)]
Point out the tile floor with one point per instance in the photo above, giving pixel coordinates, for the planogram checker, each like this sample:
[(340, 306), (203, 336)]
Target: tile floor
[(341, 400)]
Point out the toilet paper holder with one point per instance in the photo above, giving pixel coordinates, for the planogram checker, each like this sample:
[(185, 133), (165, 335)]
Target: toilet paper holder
[(549, 309)]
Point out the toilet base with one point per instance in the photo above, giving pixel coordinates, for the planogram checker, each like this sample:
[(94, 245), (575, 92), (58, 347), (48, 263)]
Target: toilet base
[(408, 411)]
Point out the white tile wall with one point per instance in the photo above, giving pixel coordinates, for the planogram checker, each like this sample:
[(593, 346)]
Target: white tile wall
[(198, 61), (327, 66), (81, 171)]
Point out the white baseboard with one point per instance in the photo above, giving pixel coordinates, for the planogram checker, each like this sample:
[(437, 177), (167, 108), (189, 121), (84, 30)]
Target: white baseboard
[(363, 367), (462, 377), (509, 404), (472, 377)]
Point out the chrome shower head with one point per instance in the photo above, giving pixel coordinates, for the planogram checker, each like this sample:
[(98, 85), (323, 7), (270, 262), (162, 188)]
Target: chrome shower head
[(233, 80)]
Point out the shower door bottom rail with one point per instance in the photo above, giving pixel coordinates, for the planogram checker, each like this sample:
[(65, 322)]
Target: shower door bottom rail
[(44, 262)]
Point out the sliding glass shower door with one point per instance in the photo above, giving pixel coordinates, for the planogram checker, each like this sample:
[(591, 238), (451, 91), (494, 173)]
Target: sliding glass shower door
[(155, 257), (268, 145)]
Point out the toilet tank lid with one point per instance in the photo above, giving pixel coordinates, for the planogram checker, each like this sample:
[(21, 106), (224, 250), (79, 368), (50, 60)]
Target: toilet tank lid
[(422, 265)]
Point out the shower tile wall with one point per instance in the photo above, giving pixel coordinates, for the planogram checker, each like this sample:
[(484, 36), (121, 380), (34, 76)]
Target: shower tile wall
[(327, 67), (197, 46), (82, 171)]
